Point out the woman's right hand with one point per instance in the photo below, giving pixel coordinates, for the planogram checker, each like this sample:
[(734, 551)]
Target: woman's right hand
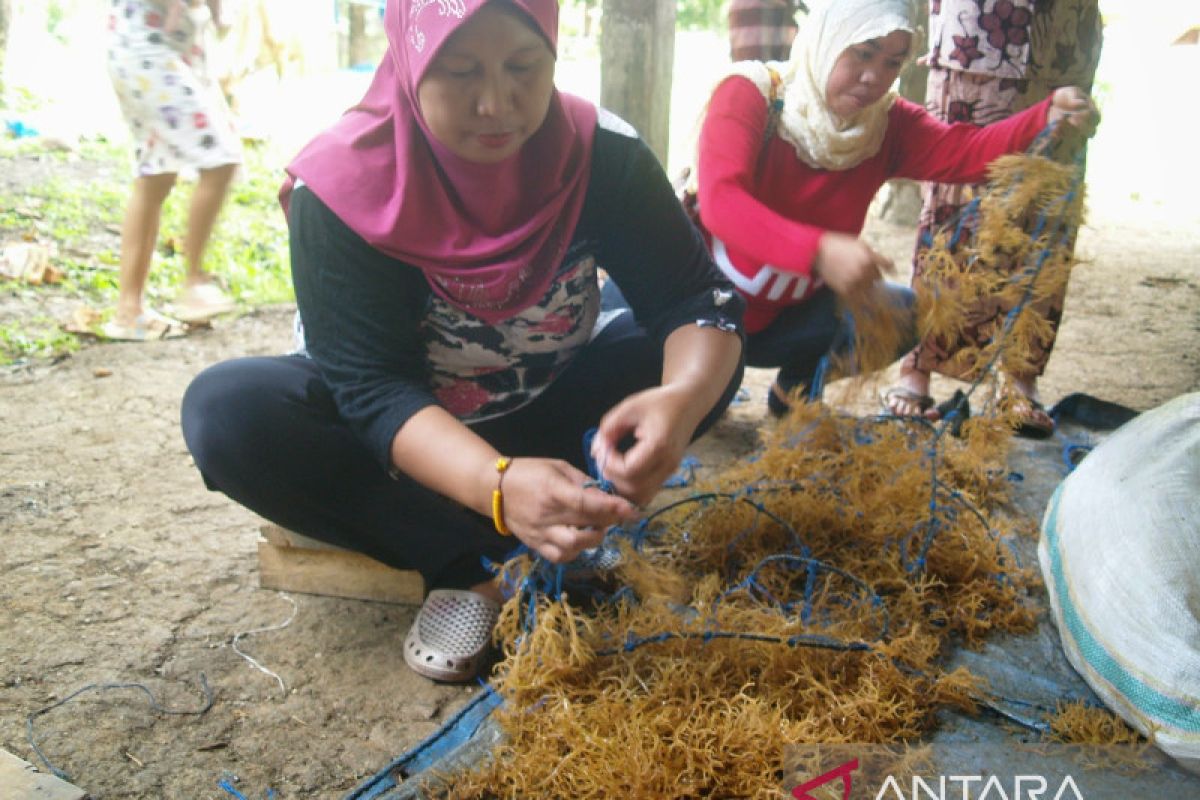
[(848, 265), (545, 503), (547, 507)]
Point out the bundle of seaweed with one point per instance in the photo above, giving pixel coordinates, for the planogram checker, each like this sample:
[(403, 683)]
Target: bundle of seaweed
[(799, 599), (998, 266), (807, 595), (990, 272)]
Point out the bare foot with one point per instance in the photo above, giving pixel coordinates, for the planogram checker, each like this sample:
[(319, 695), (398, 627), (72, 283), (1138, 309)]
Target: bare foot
[(910, 397), (1033, 421), (202, 300), (1026, 386)]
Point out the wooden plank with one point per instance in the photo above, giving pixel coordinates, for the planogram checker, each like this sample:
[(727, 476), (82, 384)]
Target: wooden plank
[(19, 778), (282, 537), (335, 572)]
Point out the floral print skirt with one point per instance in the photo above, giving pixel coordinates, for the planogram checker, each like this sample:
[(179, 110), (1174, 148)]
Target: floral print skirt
[(1059, 45), (156, 59)]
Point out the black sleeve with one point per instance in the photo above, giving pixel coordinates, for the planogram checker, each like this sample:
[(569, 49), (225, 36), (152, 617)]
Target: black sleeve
[(360, 310), (648, 245)]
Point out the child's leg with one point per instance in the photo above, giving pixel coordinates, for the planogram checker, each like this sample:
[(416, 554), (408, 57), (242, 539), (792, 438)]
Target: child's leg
[(205, 206), (139, 232)]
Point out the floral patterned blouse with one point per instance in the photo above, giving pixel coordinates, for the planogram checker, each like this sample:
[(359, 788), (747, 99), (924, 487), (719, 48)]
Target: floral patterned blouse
[(388, 346)]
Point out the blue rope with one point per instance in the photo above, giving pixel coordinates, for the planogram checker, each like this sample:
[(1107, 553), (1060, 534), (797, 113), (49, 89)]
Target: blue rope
[(685, 475), (209, 699), (546, 580), (227, 781), (1071, 450)]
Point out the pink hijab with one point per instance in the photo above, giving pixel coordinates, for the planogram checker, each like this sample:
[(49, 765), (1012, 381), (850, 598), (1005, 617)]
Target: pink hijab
[(489, 237)]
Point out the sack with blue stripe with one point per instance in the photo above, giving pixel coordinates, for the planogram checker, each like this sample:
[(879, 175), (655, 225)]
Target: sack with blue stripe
[(1120, 554)]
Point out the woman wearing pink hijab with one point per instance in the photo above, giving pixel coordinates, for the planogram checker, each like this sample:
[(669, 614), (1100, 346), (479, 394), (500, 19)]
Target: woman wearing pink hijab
[(446, 235)]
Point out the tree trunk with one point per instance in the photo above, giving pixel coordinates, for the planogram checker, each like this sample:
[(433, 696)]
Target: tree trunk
[(902, 197), (914, 76), (356, 45), (637, 49)]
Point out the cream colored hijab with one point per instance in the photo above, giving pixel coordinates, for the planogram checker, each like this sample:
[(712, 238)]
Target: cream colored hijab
[(822, 139)]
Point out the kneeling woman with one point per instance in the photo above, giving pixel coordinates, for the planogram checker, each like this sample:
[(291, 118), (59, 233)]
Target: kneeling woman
[(446, 237), (785, 192)]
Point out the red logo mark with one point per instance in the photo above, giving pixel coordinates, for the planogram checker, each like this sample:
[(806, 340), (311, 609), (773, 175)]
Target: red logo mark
[(802, 792)]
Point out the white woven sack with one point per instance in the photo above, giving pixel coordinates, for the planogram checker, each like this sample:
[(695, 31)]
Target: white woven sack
[(1120, 554)]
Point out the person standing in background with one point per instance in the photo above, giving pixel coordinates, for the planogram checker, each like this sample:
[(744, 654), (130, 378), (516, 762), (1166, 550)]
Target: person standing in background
[(762, 30), (989, 59), (178, 120)]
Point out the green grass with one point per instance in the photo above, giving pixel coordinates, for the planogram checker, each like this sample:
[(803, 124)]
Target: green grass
[(248, 249), (38, 337)]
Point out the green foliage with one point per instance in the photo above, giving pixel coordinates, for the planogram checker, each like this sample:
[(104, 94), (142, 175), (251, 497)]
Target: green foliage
[(55, 14), (700, 15), (39, 336), (79, 220), (20, 100)]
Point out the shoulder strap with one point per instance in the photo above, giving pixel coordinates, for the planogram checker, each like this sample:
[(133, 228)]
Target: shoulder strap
[(774, 106), (774, 112)]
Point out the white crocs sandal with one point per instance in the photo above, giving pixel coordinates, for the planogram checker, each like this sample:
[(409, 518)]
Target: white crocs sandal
[(450, 635)]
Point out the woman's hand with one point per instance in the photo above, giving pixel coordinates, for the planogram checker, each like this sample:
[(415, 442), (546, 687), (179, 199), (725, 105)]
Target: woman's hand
[(1072, 105), (657, 422), (547, 507), (848, 265), (699, 362), (545, 504)]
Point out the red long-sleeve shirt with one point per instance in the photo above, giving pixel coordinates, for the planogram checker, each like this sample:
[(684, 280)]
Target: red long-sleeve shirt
[(766, 220)]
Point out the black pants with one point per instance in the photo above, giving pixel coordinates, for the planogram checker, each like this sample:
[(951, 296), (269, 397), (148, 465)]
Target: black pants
[(803, 334), (266, 432)]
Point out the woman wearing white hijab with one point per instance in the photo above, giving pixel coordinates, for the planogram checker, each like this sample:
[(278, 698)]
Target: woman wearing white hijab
[(784, 207)]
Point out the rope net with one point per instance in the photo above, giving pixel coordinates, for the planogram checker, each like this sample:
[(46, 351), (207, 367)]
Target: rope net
[(807, 595)]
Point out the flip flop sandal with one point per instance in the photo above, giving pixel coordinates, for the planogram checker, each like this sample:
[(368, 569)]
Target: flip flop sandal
[(450, 635), (1034, 423), (203, 301), (779, 403), (955, 411), (923, 402), (148, 327)]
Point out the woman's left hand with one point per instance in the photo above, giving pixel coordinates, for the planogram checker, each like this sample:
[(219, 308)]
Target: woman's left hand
[(659, 425), (1074, 106)]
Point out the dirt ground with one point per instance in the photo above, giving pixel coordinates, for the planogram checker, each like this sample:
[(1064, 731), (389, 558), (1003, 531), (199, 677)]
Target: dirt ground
[(119, 567)]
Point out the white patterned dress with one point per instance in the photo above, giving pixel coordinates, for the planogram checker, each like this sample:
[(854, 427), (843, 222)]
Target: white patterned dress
[(156, 59)]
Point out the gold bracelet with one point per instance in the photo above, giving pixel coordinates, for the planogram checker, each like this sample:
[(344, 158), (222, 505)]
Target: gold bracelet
[(502, 465)]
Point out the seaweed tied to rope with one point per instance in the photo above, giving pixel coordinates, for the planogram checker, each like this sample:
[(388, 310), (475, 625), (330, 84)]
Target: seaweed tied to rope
[(806, 595)]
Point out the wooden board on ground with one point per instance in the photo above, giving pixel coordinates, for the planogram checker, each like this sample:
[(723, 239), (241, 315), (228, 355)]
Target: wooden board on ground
[(19, 778), (290, 562)]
